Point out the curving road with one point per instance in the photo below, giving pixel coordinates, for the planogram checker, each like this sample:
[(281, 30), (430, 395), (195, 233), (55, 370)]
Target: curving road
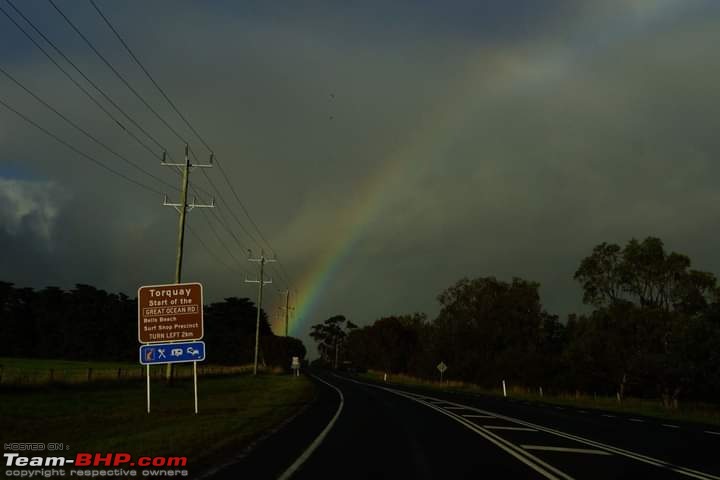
[(364, 430)]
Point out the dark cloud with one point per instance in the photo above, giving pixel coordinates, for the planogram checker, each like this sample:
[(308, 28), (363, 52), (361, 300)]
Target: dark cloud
[(473, 139)]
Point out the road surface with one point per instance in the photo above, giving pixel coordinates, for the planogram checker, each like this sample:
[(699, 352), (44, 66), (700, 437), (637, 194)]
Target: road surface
[(363, 430)]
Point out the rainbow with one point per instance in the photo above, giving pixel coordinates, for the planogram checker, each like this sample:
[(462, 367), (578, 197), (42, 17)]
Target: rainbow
[(375, 192), (497, 70)]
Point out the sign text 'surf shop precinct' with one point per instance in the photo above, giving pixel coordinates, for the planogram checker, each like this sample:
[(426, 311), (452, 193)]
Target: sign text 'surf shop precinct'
[(170, 313)]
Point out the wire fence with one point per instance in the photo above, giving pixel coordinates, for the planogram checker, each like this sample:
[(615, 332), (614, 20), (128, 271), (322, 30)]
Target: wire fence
[(28, 376)]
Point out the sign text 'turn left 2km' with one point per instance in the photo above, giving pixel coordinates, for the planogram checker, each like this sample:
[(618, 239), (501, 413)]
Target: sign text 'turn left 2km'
[(170, 313)]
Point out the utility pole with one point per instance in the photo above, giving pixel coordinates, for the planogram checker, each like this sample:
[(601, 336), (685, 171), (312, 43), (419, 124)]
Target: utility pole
[(261, 282), (182, 208), (287, 309)]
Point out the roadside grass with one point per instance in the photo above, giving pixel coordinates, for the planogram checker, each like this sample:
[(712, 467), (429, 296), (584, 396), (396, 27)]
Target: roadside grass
[(687, 411), (233, 411), (35, 372), (46, 364)]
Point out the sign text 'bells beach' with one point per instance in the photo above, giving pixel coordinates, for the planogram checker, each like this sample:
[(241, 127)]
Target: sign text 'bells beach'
[(170, 313)]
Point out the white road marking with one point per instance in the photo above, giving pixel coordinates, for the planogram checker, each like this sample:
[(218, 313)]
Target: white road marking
[(477, 416), (534, 462), (316, 443), (563, 449), (455, 408), (582, 411), (609, 448), (670, 426), (547, 471), (608, 416), (519, 429), (636, 420), (560, 408)]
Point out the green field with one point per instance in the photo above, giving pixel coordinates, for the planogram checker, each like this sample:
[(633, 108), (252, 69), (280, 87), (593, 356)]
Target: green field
[(41, 372), (232, 412), (689, 411), (46, 364)]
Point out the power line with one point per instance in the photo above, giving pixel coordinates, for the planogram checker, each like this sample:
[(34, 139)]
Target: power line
[(134, 91), (142, 67), (92, 83), (87, 79), (193, 129), (208, 250), (114, 70), (82, 130), (220, 241), (79, 152)]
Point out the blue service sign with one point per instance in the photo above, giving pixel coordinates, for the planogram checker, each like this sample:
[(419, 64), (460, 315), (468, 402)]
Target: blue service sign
[(172, 352)]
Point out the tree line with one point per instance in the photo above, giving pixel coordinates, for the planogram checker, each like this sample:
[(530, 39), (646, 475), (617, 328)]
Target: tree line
[(86, 323), (653, 332)]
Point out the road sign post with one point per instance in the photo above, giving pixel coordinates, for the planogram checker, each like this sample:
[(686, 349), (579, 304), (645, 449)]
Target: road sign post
[(170, 318), (441, 368), (296, 365)]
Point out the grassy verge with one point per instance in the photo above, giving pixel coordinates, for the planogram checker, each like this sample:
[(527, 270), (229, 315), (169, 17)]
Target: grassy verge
[(689, 411), (232, 412), (40, 372), (46, 364)]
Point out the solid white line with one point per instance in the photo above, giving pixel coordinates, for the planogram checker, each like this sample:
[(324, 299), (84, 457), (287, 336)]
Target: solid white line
[(567, 450), (476, 416), (518, 429), (616, 450), (531, 460), (454, 408), (548, 471), (670, 426), (316, 443)]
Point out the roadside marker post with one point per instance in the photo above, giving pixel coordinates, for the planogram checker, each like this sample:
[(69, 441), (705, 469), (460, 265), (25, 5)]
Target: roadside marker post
[(504, 389), (296, 365), (441, 368), (170, 318)]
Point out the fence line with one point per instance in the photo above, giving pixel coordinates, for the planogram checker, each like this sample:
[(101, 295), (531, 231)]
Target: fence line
[(79, 375)]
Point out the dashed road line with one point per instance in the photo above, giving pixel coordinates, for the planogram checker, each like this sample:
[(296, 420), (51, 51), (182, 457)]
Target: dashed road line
[(581, 411), (518, 429), (670, 426), (548, 471), (637, 420), (608, 415), (547, 448)]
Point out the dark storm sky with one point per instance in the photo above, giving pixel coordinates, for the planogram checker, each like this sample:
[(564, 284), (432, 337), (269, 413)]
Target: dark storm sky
[(461, 139)]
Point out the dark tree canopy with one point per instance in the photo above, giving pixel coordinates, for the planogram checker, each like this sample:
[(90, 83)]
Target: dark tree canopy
[(654, 331), (85, 323)]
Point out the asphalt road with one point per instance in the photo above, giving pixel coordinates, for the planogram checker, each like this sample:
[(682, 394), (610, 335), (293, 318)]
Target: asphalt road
[(362, 430)]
